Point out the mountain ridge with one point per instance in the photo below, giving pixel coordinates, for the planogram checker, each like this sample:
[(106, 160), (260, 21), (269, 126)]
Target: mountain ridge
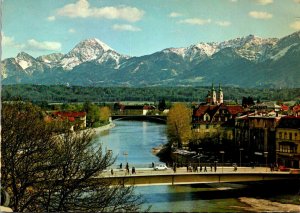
[(244, 61)]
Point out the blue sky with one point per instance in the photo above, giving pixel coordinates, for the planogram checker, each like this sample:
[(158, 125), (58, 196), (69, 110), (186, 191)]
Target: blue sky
[(139, 27)]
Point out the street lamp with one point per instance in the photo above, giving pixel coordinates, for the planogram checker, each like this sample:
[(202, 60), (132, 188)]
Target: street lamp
[(199, 155), (222, 152), (125, 154), (266, 156), (241, 149)]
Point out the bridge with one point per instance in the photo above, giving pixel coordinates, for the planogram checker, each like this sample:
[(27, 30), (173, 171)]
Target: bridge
[(153, 118), (145, 177)]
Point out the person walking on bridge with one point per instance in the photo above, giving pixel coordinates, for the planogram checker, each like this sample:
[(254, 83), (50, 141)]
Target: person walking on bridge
[(127, 168)]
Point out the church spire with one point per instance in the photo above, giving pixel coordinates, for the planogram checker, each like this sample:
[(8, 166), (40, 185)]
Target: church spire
[(220, 98), (213, 94)]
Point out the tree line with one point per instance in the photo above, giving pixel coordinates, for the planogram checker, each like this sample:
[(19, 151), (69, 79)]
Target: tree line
[(67, 94)]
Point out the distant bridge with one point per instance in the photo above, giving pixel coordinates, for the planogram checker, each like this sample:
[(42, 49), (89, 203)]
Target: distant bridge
[(169, 178), (153, 118)]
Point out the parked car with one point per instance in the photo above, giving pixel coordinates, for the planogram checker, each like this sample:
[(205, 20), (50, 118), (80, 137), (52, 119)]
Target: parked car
[(160, 167)]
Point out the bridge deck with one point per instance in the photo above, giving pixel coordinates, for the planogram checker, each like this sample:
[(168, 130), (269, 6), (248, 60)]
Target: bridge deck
[(150, 177)]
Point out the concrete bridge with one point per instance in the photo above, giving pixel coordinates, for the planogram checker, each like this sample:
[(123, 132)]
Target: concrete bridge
[(150, 177), (153, 118)]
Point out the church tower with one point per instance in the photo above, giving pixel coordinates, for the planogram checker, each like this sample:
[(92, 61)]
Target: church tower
[(213, 95), (220, 98)]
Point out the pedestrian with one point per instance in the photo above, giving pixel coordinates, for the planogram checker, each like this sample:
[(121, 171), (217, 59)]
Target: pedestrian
[(112, 171), (127, 168), (200, 168), (121, 165), (234, 167), (211, 166), (187, 168), (215, 166), (174, 168), (205, 170), (152, 165), (133, 170)]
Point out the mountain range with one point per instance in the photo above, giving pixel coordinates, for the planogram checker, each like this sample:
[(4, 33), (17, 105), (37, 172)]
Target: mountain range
[(248, 61)]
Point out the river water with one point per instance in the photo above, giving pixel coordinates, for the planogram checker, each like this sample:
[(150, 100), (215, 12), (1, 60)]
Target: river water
[(132, 141)]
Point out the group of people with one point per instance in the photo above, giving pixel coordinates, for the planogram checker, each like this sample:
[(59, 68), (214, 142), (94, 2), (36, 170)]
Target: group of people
[(213, 166), (127, 169)]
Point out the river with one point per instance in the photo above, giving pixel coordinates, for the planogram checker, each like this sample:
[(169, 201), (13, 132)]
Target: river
[(132, 142)]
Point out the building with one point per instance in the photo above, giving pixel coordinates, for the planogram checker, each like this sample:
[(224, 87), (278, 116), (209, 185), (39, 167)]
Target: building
[(76, 120), (296, 110), (148, 109), (215, 118), (213, 97), (255, 134), (288, 142)]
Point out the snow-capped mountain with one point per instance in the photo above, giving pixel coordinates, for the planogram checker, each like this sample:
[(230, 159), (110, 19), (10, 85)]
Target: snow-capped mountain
[(51, 58), (244, 61), (90, 50)]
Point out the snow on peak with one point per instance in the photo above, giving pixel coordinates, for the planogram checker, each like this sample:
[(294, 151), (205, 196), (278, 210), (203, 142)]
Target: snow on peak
[(207, 48), (24, 60), (95, 43), (178, 51), (86, 50)]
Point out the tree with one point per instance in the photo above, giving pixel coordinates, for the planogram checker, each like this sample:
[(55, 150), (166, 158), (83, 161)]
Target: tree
[(246, 102), (179, 125), (162, 105), (93, 113), (105, 114), (43, 171)]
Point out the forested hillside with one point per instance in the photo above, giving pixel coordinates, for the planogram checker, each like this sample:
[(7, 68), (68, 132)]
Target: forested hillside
[(58, 93)]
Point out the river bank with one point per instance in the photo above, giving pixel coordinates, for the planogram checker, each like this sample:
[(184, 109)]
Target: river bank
[(103, 128), (259, 205)]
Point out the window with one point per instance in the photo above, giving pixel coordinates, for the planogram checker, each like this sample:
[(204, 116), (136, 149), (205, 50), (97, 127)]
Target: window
[(291, 137), (287, 148), (296, 136), (280, 135), (285, 135)]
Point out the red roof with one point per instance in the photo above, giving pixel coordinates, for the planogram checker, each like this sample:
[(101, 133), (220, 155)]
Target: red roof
[(296, 108), (212, 109), (284, 107), (70, 114), (205, 109), (234, 110), (148, 107)]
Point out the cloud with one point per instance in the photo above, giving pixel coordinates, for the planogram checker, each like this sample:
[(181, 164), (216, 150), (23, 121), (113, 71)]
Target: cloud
[(295, 25), (7, 41), (234, 1), (223, 23), (195, 21), (260, 15), (33, 44), (125, 27), (264, 2), (82, 9), (71, 30), (51, 18), (174, 15)]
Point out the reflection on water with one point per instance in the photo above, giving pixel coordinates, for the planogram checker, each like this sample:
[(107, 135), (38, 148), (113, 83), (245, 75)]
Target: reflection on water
[(138, 138), (135, 138)]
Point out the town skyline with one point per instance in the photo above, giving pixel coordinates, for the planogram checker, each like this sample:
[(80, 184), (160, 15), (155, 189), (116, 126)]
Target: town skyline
[(134, 28)]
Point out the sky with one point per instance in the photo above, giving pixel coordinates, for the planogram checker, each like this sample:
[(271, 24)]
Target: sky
[(139, 27)]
